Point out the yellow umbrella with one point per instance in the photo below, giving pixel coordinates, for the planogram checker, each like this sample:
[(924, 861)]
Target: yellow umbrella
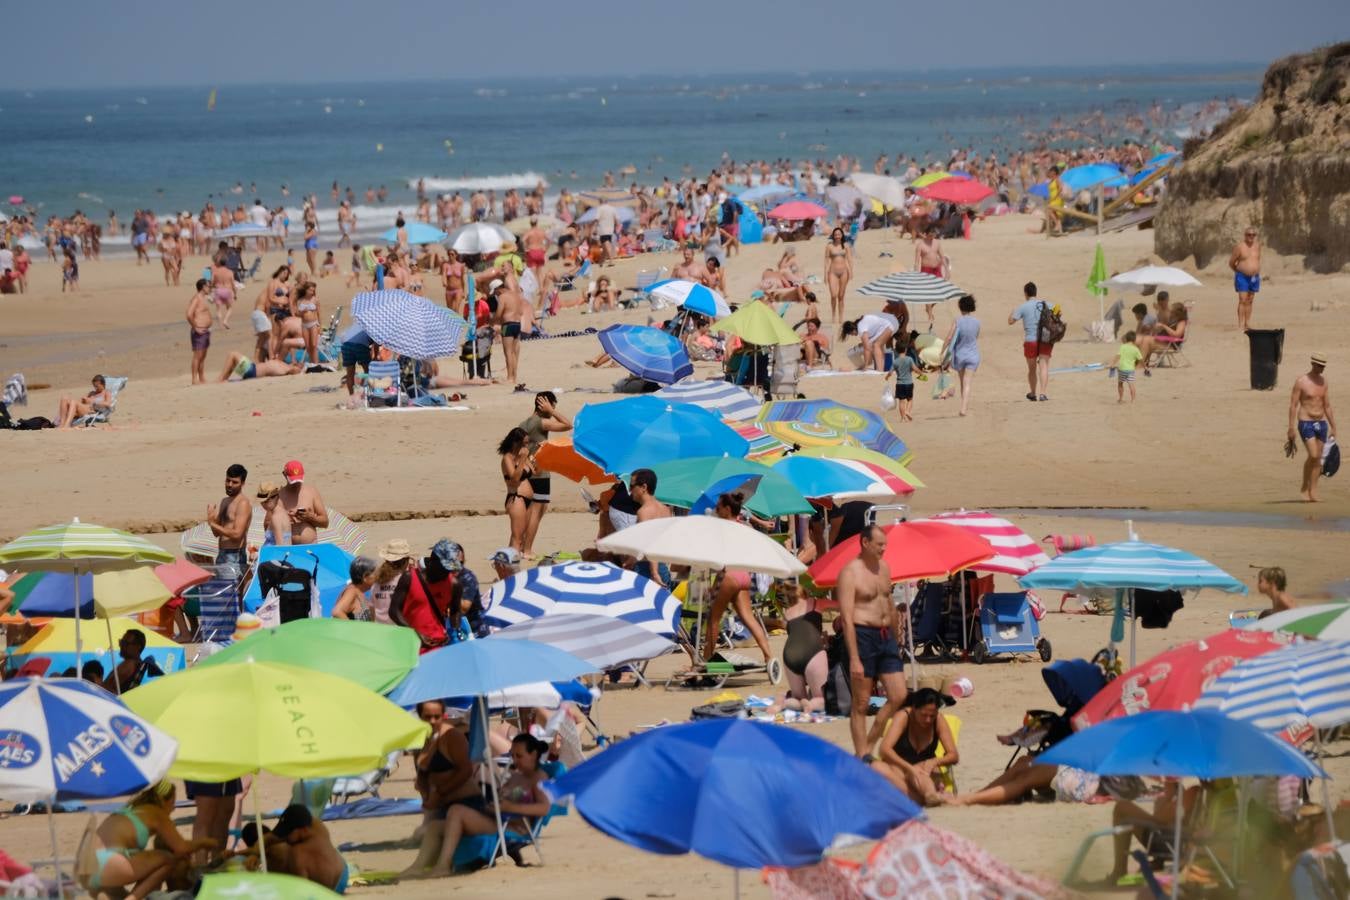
[(928, 178), (863, 454), (756, 323)]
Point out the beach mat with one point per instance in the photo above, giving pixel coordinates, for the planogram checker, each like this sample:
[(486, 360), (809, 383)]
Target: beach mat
[(373, 808)]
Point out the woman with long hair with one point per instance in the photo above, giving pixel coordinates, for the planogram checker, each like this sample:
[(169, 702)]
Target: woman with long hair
[(838, 271), (516, 471)]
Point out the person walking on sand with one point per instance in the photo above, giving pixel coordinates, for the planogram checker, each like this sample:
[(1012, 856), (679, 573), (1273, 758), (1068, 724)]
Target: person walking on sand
[(1246, 265), (1036, 353), (1127, 358), (871, 627), (963, 341), (199, 330), (929, 259), (1311, 416), (222, 286)]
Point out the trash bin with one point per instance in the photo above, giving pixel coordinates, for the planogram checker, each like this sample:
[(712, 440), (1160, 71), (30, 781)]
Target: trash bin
[(1267, 349)]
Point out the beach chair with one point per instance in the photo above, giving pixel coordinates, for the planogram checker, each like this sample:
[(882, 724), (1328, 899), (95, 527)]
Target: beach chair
[(482, 344), (345, 788), (479, 851), (213, 606), (568, 282), (384, 384), (330, 351), (645, 279), (115, 384), (947, 774), (786, 372)]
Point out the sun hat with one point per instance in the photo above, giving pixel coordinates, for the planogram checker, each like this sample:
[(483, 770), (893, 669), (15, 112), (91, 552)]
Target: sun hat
[(267, 490), (506, 556), (1319, 359), (393, 551)]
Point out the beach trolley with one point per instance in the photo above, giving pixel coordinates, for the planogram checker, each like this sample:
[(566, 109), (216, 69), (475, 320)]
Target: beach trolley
[(726, 662), (1008, 625)]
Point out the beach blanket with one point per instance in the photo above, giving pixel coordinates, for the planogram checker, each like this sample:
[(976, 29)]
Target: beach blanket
[(832, 373), (16, 391), (541, 336), (373, 808)]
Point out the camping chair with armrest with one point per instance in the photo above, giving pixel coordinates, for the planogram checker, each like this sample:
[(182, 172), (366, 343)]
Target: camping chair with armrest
[(645, 279), (1172, 352), (330, 351), (947, 774), (100, 415), (384, 384), (345, 788), (568, 282), (481, 344), (213, 606), (479, 851)]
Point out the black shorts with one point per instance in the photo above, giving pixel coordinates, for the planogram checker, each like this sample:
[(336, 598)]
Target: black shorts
[(196, 789), (904, 391), (542, 485), (878, 651), (511, 329), (473, 801), (606, 238)]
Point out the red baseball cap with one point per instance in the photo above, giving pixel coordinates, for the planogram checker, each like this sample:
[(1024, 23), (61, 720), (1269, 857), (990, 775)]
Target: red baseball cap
[(293, 472)]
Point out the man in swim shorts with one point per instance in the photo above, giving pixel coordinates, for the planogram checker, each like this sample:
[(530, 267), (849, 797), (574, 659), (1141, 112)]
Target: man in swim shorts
[(1311, 416), (1246, 265), (222, 287), (928, 259), (535, 242), (304, 848), (245, 368), (199, 330), (871, 626), (510, 311)]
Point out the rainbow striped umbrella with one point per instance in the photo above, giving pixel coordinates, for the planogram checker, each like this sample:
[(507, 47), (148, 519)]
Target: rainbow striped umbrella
[(763, 445), (822, 422), (199, 541), (78, 547)]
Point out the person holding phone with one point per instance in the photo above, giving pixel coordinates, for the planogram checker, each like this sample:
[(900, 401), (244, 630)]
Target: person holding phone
[(303, 504)]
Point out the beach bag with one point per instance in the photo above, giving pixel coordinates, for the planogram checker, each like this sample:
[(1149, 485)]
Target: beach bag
[(943, 386), (727, 709), (1051, 325), (1331, 458)]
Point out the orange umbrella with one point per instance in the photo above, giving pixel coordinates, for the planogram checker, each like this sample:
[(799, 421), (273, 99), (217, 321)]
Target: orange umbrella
[(560, 458)]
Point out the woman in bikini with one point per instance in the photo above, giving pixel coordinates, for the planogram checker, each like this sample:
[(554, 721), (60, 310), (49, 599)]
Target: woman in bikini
[(910, 755), (452, 273), (838, 272), (516, 471), (72, 408), (122, 859), (733, 589), (444, 779), (307, 306)]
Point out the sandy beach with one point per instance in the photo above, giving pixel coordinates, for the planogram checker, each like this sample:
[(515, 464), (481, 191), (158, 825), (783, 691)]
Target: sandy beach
[(1197, 441)]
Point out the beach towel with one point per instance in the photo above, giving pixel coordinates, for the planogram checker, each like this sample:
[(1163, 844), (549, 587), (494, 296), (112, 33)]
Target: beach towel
[(540, 336), (373, 808)]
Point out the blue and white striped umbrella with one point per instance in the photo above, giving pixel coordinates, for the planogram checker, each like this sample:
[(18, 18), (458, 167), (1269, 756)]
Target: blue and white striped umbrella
[(692, 296), (408, 324), (722, 398), (1130, 564), (593, 589), (647, 352), (418, 233), (69, 739), (1308, 682), (602, 641)]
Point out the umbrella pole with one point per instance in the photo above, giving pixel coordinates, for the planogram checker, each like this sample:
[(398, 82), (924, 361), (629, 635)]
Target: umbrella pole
[(79, 662), (56, 854), (1326, 794), (492, 780), (1134, 626), (907, 594), (1176, 841), (117, 679), (257, 820), (736, 883)]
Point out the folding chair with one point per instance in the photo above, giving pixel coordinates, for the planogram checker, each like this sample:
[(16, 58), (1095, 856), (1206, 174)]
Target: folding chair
[(214, 606), (384, 384), (114, 384), (252, 272), (568, 282), (482, 850), (645, 279)]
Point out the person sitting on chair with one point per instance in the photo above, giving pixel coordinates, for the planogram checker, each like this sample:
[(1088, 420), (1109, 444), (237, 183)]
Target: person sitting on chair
[(133, 668), (909, 751), (73, 408)]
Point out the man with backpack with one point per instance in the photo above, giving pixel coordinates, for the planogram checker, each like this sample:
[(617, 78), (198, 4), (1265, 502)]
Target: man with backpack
[(1042, 328)]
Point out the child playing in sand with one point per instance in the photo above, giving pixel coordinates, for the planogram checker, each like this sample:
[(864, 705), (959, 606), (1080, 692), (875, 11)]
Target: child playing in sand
[(1129, 356), (329, 265)]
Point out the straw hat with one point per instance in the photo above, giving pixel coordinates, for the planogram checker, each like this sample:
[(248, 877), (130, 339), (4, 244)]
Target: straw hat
[(267, 490), (395, 550), (508, 247), (1319, 359), (246, 624)]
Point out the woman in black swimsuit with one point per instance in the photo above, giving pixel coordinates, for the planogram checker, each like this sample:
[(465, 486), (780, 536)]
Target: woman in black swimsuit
[(804, 654), (909, 751), (516, 472), (444, 778)]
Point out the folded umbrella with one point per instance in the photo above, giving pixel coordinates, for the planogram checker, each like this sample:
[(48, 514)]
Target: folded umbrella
[(649, 353), (409, 325)]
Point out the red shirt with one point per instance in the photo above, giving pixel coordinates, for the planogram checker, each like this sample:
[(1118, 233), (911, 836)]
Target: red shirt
[(426, 615)]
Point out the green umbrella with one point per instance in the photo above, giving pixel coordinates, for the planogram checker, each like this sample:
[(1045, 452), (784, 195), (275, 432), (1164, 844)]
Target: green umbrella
[(1325, 621), (682, 482), (373, 655), (1096, 282), (260, 886)]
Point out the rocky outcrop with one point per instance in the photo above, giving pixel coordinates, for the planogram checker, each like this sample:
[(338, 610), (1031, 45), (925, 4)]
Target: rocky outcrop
[(1282, 164)]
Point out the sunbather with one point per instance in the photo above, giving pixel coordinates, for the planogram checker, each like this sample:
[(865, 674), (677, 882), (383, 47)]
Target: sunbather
[(72, 408), (909, 751), (245, 368), (444, 778)]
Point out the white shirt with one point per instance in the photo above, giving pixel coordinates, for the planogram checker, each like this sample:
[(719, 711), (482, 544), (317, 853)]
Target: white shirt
[(6, 259), (606, 218), (875, 325), (259, 215)]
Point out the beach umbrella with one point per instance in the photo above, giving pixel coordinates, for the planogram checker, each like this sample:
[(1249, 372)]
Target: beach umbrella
[(57, 641), (543, 694), (726, 400), (1201, 744), (1303, 683), (704, 541), (683, 482), (1015, 551), (750, 795), (765, 193), (561, 458), (845, 198), (928, 178), (583, 588), (623, 435), (912, 287), (180, 575), (602, 641), (1090, 175), (417, 232), (1095, 279), (692, 296), (757, 323), (1325, 621), (333, 565), (883, 188), (201, 541), (1151, 276), (965, 191), (1175, 679), (798, 210), (106, 595), (895, 467), (409, 325), (882, 483), (649, 353), (260, 886), (624, 214), (819, 478), (245, 229), (477, 238), (914, 550), (865, 427), (370, 654), (763, 446)]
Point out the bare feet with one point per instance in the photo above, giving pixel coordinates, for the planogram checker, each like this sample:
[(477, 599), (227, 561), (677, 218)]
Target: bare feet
[(433, 872)]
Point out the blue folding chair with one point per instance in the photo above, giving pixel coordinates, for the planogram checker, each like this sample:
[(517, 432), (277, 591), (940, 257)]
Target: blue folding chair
[(482, 850)]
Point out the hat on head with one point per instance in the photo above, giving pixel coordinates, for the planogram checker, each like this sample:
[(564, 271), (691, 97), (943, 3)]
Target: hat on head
[(295, 816), (268, 489), (508, 247), (1319, 359), (393, 551), (506, 556), (494, 284), (293, 471), (449, 554)]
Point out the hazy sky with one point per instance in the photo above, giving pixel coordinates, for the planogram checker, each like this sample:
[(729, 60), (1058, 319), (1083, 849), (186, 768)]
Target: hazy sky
[(88, 43)]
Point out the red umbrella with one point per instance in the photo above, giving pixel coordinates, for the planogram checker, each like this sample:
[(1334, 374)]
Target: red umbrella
[(798, 209), (914, 550), (1016, 553), (957, 190), (180, 575), (1176, 678)]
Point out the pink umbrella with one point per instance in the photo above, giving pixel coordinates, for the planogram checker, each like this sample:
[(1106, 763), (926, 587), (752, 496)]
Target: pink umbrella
[(798, 209), (180, 575), (894, 483), (1015, 552), (957, 190)]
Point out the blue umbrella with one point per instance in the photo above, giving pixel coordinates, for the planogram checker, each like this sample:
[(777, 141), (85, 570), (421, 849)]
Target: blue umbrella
[(245, 229), (623, 435), (55, 595), (691, 295), (649, 353), (741, 793), (334, 565), (418, 233), (545, 694), (408, 324), (815, 477), (765, 193), (1091, 175), (479, 668), (583, 588)]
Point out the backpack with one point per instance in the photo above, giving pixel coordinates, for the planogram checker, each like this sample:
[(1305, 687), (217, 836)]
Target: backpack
[(1051, 326)]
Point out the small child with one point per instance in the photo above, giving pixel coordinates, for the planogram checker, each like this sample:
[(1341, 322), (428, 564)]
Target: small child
[(903, 368), (1130, 356), (355, 277), (328, 266)]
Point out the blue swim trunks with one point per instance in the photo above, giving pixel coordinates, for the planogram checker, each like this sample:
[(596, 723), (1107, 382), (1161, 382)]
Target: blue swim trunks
[(1246, 284), (1313, 428), (341, 886)]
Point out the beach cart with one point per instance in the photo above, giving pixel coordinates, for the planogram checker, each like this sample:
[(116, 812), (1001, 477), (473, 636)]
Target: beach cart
[(726, 662), (1008, 625)]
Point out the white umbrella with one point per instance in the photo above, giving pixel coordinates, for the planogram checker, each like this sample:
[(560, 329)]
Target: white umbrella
[(1152, 276), (479, 237), (519, 226), (704, 541), (882, 188)]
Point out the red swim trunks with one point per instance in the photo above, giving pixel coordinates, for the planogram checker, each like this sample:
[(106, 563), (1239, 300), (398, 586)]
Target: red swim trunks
[(1031, 349), (935, 271), (535, 259)]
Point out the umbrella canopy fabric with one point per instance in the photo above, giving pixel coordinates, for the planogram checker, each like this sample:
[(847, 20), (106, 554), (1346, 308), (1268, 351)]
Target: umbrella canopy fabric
[(763, 446), (914, 550), (798, 210), (912, 287), (883, 188), (1176, 678), (682, 482), (408, 324), (595, 589), (1097, 274), (261, 886), (751, 795), (80, 547), (1015, 551), (1325, 621), (765, 193), (845, 198), (882, 482), (928, 178), (107, 594), (251, 716), (333, 564), (1308, 682), (55, 641), (543, 694), (68, 739), (624, 214), (1197, 744), (600, 640), (561, 458), (623, 435), (704, 541), (818, 478), (478, 238), (756, 323), (182, 574), (1153, 276), (692, 296), (478, 668), (201, 541), (649, 353), (863, 454), (370, 654), (957, 190), (417, 232), (1131, 564), (728, 401), (245, 229), (866, 428)]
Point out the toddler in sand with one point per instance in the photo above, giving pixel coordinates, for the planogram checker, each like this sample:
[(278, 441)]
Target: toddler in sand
[(1127, 359)]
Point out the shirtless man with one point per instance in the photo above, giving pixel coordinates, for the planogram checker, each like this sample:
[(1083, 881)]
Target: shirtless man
[(510, 311), (222, 285), (229, 522), (928, 258), (199, 330), (691, 268), (1311, 416), (871, 624), (346, 224), (642, 488), (303, 847), (303, 504), (535, 243), (1246, 265), (245, 368)]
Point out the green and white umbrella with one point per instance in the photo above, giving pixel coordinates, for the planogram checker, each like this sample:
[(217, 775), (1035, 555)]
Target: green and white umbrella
[(1325, 621)]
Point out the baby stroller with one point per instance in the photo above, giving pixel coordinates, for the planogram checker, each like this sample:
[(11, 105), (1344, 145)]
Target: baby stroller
[(295, 588), (1072, 682)]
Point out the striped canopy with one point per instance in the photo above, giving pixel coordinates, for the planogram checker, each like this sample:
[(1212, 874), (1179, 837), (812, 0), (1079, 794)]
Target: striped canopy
[(199, 541), (1306, 682), (1015, 552), (1131, 564), (593, 589), (80, 547), (1326, 621), (764, 447), (727, 400), (602, 641), (408, 324), (911, 287)]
